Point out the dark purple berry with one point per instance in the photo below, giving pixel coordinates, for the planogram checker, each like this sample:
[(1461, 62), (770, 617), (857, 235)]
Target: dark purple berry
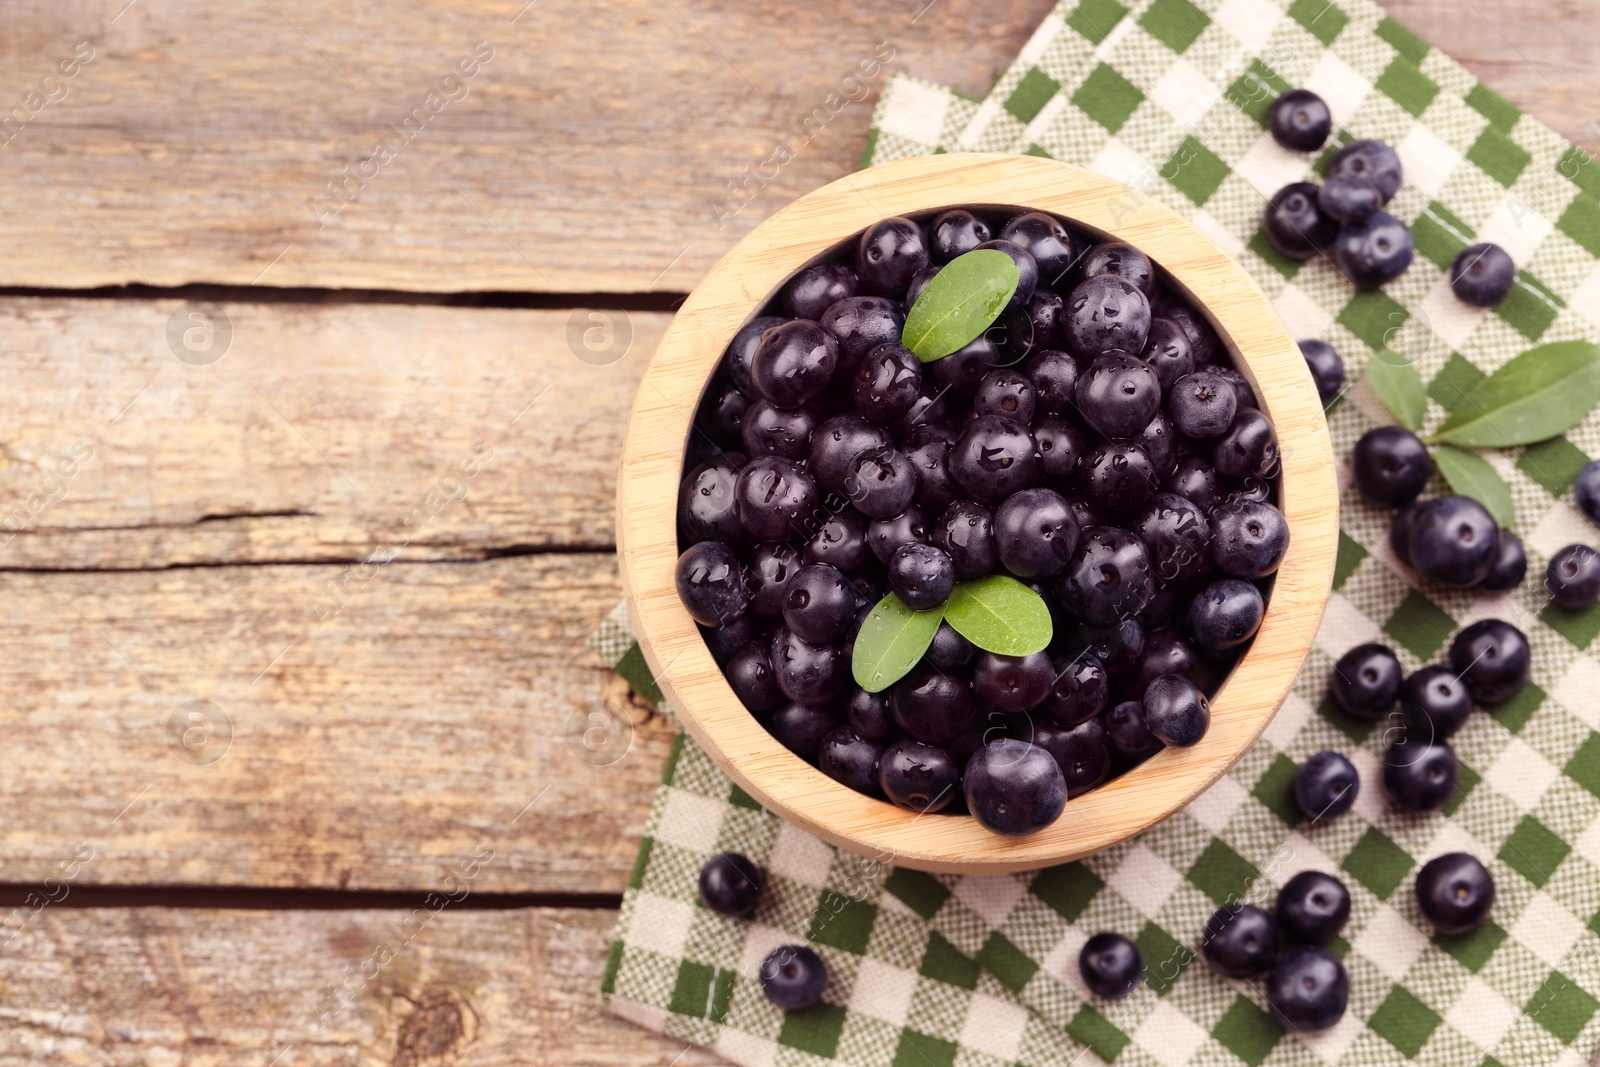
[(886, 383), (750, 677), (1300, 120), (1226, 614), (1295, 223), (1313, 907), (1327, 369), (956, 232), (868, 714), (793, 977), (860, 324), (772, 564), (1326, 785), (807, 673), (1177, 536), (841, 541), (800, 728), (1035, 533), (1455, 893), (1122, 260), (1366, 680), (850, 759), (1492, 657), (1014, 788), (1062, 444), (730, 884), (966, 532), (1044, 238), (1118, 476), (1375, 251), (1391, 465), (1028, 279), (743, 348), (774, 431), (818, 603), (1248, 539), (1005, 392), (1510, 565), (889, 254), (919, 777), (708, 504), (1054, 374), (1482, 275), (949, 649), (886, 536), (1176, 711), (1308, 989), (1420, 775), (994, 457), (1108, 578), (881, 483), (711, 583), (932, 706), (1434, 702), (1110, 965), (1195, 479), (794, 362), (928, 448), (1350, 199), (816, 289), (1248, 450), (1368, 159), (1453, 540), (1082, 752), (1127, 733), (1572, 577), (1167, 350), (776, 499), (1240, 941), (1107, 314), (1012, 683), (1079, 693), (921, 575), (1202, 404)]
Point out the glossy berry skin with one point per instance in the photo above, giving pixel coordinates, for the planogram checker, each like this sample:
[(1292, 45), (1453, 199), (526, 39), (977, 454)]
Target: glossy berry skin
[(1117, 646), (886, 536), (723, 419), (1572, 578), (1492, 657), (1166, 348), (727, 640), (1313, 907), (1195, 479), (1453, 540), (928, 448), (1062, 445), (1118, 476), (1327, 369), (1586, 490), (1368, 159), (1168, 652), (1044, 238), (1455, 893), (1299, 120), (771, 566), (1079, 693), (1434, 702), (1295, 223), (1241, 941), (949, 649), (792, 977), (730, 884), (868, 715), (773, 431), (1035, 533), (1308, 989), (1005, 392), (1122, 260), (1248, 539), (1350, 199), (807, 673), (1126, 732), (1177, 536), (1374, 251), (966, 532), (816, 289), (932, 706), (1119, 394), (1176, 711), (776, 497), (1204, 344), (749, 672), (837, 443), (818, 603), (1366, 680), (919, 282), (1041, 326), (921, 575), (711, 583), (743, 347), (794, 362), (1244, 396), (708, 504), (1326, 785), (1012, 683), (886, 383), (919, 777), (1391, 465), (1054, 375), (1248, 450), (1027, 271), (1159, 439), (862, 323), (956, 232), (963, 370), (800, 728), (881, 483), (889, 254), (1107, 314), (1510, 565), (841, 541), (1109, 577), (1225, 614), (1014, 788), (1082, 752), (1420, 775), (994, 457), (1110, 965), (1202, 405), (850, 759)]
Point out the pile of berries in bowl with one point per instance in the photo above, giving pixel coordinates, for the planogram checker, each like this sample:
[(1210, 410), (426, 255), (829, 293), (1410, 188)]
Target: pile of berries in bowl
[(979, 514)]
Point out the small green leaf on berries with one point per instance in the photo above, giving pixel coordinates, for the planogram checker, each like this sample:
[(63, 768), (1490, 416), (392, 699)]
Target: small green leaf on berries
[(891, 641), (1469, 474), (999, 614), (1399, 386), (959, 303)]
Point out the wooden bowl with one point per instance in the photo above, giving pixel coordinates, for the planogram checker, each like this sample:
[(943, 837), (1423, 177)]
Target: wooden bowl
[(652, 466)]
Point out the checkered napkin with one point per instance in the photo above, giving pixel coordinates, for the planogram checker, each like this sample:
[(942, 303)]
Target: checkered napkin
[(1169, 97)]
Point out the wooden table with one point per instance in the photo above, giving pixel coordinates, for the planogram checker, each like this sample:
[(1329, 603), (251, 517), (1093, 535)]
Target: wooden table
[(307, 487)]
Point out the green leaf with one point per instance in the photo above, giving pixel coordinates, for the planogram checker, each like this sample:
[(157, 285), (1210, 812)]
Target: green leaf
[(999, 614), (1399, 386), (891, 640), (961, 301), (1537, 395), (1469, 474)]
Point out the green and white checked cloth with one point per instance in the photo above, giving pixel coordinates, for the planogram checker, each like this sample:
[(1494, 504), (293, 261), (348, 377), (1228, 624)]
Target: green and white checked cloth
[(930, 971)]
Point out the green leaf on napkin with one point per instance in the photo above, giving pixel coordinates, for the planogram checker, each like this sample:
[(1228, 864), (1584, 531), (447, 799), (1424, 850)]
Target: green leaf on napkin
[(890, 642), (1400, 388), (1537, 395), (1469, 474), (999, 614), (959, 303)]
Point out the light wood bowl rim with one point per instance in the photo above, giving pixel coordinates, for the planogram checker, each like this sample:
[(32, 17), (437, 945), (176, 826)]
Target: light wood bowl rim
[(652, 463)]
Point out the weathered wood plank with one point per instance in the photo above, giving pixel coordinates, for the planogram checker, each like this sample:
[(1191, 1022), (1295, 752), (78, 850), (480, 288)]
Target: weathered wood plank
[(378, 731), (323, 432), (592, 152), (249, 988)]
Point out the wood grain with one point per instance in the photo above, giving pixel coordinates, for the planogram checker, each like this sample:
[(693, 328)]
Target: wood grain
[(593, 153), (647, 496), (323, 433), (442, 706), (245, 989)]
